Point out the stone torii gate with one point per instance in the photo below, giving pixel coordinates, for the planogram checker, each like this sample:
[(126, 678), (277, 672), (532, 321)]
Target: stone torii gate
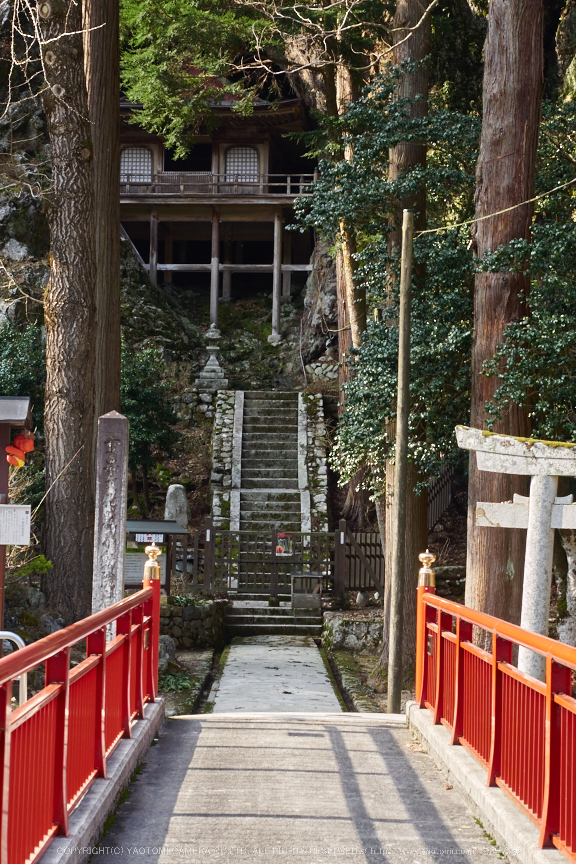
[(539, 514)]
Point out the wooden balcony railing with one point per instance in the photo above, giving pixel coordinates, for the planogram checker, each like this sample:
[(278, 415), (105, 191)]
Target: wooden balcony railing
[(200, 183)]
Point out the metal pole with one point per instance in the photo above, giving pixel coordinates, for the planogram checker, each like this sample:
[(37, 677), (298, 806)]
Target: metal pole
[(400, 473)]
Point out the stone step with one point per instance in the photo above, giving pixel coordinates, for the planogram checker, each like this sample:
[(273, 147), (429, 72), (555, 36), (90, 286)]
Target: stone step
[(268, 497), (274, 427), (271, 412), (274, 614), (264, 507), (269, 464), (269, 395), (270, 484), (265, 629), (269, 453), (285, 471), (262, 594)]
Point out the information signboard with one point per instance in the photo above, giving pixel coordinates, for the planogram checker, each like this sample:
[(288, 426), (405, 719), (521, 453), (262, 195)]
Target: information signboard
[(134, 567), (15, 524)]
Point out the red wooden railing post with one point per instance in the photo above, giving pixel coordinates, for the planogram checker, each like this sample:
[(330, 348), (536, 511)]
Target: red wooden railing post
[(138, 619), (558, 680), (96, 646), (501, 653), (5, 711), (58, 672), (123, 628), (463, 634), (444, 622)]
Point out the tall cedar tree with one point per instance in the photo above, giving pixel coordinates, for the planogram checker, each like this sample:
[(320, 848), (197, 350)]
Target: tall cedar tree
[(513, 68), (102, 67), (69, 310)]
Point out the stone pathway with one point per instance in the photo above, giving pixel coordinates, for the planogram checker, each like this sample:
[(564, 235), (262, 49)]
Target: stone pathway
[(315, 788), (274, 674)]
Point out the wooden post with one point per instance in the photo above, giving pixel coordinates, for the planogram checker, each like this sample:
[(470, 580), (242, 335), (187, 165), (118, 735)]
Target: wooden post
[(400, 473), (168, 250), (276, 280), (287, 259), (227, 275), (215, 267), (153, 272)]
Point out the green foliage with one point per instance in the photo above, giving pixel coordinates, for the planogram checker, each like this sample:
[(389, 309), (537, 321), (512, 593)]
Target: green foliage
[(174, 683), (175, 56), (38, 566), (359, 193), (23, 367), (144, 403), (185, 600)]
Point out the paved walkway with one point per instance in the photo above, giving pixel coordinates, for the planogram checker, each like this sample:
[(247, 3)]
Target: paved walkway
[(274, 673), (320, 786), (318, 789)]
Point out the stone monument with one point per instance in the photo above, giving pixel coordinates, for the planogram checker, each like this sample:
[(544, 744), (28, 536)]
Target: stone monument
[(177, 508), (539, 514), (111, 504)]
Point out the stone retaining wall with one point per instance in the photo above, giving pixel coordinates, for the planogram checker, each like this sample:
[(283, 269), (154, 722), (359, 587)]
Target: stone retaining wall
[(343, 631), (194, 626), (222, 446)]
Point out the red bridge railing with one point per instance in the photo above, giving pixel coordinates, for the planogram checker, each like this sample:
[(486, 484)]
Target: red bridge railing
[(522, 730), (54, 745)]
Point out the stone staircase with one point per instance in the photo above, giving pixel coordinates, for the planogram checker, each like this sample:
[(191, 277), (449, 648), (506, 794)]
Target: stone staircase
[(269, 499), (269, 496)]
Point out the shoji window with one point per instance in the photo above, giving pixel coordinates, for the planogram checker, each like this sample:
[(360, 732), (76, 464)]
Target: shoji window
[(136, 165), (243, 163)]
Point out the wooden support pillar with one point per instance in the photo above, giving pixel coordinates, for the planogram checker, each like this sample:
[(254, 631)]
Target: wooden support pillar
[(215, 268), (168, 250), (274, 338), (153, 273), (287, 259), (227, 275)]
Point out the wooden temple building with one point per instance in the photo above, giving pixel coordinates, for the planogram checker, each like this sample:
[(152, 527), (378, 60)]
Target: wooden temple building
[(217, 218)]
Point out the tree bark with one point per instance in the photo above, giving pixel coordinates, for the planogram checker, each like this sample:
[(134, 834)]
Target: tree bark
[(404, 158), (102, 67), (69, 310), (504, 177)]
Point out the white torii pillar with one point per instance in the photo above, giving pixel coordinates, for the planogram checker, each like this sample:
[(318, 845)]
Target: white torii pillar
[(540, 514)]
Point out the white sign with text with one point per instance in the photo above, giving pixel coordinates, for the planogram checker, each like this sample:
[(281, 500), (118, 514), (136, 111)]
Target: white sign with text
[(15, 524)]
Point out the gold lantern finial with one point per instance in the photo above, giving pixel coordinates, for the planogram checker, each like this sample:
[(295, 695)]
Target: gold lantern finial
[(426, 575), (152, 567)]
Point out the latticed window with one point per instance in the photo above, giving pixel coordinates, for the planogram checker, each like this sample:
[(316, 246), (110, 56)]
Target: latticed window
[(242, 163), (136, 165)]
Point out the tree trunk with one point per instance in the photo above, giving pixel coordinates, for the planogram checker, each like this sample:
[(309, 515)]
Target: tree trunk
[(69, 310), (504, 178), (403, 159), (102, 65)]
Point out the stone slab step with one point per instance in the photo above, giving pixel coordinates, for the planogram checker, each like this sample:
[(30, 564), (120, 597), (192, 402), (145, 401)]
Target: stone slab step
[(257, 618), (265, 507), (243, 595), (279, 495), (275, 630), (281, 471), (258, 608), (267, 483), (269, 453), (268, 395)]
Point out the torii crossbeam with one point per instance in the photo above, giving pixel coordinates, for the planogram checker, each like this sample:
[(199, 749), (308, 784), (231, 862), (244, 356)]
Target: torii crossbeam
[(540, 514)]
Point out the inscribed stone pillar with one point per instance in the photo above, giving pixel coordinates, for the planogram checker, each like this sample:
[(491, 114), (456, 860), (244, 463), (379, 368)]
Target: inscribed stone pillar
[(111, 503), (274, 338), (177, 508), (153, 259), (215, 268)]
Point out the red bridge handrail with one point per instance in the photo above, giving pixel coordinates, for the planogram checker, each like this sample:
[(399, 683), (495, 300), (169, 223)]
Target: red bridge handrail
[(38, 652), (54, 745), (521, 729), (534, 641)]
